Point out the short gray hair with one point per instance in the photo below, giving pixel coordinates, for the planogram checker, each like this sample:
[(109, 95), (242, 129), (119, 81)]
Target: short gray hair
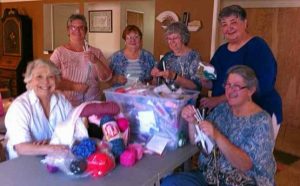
[(246, 73), (77, 17), (181, 29), (235, 10), (39, 63)]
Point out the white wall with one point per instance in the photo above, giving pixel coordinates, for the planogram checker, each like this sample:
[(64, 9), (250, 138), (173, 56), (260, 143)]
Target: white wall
[(148, 8), (107, 42)]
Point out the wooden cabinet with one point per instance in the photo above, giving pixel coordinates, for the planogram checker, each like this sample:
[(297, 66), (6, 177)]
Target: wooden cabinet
[(17, 50)]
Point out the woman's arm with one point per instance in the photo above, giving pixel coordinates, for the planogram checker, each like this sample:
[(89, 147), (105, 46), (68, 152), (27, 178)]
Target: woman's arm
[(65, 84), (236, 156), (40, 148), (103, 71)]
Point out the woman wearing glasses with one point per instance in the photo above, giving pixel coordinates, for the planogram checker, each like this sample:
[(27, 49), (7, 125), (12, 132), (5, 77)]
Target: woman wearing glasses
[(179, 65), (82, 66), (133, 63), (244, 49), (243, 136)]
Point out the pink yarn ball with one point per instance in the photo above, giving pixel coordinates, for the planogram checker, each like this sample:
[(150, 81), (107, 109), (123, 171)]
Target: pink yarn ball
[(123, 124), (138, 148), (128, 158)]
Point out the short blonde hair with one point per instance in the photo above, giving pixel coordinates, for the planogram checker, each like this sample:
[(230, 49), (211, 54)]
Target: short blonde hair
[(39, 63)]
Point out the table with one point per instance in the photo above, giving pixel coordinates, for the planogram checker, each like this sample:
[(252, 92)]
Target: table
[(28, 170)]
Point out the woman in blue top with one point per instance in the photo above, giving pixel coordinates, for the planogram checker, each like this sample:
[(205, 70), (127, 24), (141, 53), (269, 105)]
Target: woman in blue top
[(242, 48), (180, 65), (243, 136), (131, 63)]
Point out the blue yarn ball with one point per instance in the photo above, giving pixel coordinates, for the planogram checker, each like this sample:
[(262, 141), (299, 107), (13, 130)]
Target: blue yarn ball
[(118, 147), (84, 148), (105, 119)]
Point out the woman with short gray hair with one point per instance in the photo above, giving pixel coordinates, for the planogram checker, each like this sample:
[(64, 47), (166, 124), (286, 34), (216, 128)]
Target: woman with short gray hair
[(31, 118), (242, 135), (179, 65)]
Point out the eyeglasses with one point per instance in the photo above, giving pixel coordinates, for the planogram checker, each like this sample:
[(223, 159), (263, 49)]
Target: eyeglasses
[(132, 37), (74, 28), (234, 87), (172, 38)]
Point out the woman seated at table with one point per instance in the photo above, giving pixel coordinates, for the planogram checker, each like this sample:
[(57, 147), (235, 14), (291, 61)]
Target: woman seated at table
[(179, 65), (243, 136), (32, 117), (133, 62)]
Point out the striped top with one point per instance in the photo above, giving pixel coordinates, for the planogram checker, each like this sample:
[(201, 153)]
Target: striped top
[(73, 67)]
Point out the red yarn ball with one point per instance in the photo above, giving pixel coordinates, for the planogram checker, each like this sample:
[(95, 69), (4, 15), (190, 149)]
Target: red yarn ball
[(123, 124), (99, 164)]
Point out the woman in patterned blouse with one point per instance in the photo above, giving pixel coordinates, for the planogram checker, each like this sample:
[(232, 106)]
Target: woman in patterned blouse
[(133, 63), (179, 65), (243, 137)]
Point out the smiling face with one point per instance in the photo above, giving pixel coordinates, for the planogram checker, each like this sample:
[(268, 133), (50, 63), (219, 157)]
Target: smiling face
[(76, 30), (133, 40), (236, 90), (233, 28), (175, 42), (43, 81)]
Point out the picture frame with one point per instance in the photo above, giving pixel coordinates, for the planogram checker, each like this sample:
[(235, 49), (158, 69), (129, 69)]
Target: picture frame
[(100, 21)]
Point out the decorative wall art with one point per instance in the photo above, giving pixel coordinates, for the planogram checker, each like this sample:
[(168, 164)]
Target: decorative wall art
[(100, 21)]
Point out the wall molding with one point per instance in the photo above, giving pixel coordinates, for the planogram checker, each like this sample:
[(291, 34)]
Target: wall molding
[(263, 3), (11, 1)]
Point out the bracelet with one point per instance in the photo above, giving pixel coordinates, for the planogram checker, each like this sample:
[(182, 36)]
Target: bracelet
[(175, 77)]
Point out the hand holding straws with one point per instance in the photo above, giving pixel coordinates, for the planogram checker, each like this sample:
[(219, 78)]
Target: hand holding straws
[(200, 137), (85, 49)]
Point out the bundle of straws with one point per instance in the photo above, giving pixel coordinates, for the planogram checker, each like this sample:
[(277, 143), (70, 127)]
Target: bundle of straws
[(201, 138)]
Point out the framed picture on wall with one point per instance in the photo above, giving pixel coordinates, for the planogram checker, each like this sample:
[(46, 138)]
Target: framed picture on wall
[(100, 21)]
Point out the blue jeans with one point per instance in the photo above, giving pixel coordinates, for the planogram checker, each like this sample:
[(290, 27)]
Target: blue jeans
[(192, 178)]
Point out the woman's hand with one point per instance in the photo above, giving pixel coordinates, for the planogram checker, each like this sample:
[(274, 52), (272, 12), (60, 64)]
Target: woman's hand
[(80, 87), (57, 149), (187, 113), (90, 57), (155, 72), (212, 102), (208, 129), (120, 79), (42, 142)]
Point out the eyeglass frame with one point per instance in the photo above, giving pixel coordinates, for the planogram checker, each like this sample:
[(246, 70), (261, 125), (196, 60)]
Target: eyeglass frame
[(234, 87), (135, 37), (74, 28)]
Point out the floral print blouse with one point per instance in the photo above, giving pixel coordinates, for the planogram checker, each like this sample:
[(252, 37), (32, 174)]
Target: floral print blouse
[(254, 135), (118, 63), (186, 65)]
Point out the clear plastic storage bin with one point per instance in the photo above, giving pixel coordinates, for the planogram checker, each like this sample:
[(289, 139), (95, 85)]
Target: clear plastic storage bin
[(150, 113)]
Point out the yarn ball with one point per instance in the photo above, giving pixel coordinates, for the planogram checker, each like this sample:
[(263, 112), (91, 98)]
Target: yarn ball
[(84, 148), (118, 147), (94, 131), (100, 109), (120, 90), (138, 148), (123, 124), (128, 158), (51, 168), (99, 164), (105, 119), (78, 166)]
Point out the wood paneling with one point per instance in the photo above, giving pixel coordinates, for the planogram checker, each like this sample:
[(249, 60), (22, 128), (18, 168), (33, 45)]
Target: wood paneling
[(278, 26)]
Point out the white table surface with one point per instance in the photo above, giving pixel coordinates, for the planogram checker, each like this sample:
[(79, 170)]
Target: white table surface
[(29, 171)]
